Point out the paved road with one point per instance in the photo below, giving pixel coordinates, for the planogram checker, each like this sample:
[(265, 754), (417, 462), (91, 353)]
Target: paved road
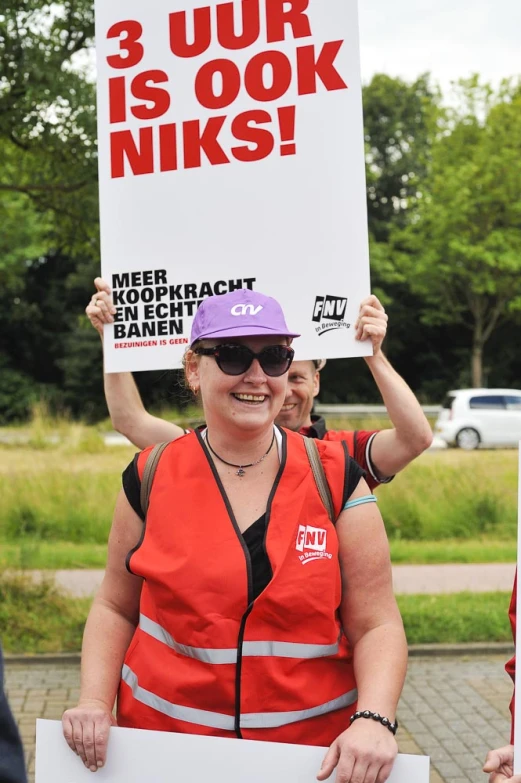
[(407, 579), (454, 709)]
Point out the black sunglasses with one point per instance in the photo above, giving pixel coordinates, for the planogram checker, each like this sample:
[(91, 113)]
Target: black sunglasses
[(275, 360)]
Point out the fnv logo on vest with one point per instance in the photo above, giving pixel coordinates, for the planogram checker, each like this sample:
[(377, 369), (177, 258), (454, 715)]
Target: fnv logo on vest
[(245, 309), (312, 541)]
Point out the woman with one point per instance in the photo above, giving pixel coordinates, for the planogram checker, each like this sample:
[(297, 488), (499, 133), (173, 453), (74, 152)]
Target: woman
[(223, 615)]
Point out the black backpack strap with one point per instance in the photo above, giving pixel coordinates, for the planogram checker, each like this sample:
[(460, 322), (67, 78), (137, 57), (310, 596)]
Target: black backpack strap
[(149, 473), (320, 477)]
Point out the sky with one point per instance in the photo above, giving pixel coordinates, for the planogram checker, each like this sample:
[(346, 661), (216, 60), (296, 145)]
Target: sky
[(449, 38)]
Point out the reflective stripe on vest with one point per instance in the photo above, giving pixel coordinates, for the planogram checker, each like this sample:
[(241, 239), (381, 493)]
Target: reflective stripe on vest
[(249, 649), (217, 720)]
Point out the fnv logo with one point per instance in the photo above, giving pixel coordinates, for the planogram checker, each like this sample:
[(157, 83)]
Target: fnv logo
[(330, 308), (312, 541), (245, 309)]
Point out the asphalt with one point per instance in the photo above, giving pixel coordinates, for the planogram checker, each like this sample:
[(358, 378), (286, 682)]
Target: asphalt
[(427, 579), (453, 708)]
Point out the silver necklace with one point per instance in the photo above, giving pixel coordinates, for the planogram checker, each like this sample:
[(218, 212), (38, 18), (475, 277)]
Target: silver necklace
[(241, 468)]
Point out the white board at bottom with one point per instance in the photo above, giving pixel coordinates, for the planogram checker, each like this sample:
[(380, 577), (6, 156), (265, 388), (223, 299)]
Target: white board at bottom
[(136, 756)]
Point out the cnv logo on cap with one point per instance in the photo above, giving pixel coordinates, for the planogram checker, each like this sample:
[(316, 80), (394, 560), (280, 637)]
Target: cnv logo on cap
[(246, 309)]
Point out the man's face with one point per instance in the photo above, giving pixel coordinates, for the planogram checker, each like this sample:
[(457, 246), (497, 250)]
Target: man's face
[(303, 387)]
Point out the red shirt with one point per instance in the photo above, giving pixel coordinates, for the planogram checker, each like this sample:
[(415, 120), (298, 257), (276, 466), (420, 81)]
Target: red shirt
[(359, 444)]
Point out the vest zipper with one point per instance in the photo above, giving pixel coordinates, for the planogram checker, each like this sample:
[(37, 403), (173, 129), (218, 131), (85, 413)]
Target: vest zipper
[(238, 671), (240, 639), (242, 627)]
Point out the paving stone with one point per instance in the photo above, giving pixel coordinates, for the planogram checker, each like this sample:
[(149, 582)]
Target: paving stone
[(454, 709)]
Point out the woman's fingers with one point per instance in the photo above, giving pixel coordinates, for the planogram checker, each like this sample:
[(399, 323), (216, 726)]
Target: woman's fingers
[(101, 739), (86, 732), (67, 732), (89, 746), (77, 737)]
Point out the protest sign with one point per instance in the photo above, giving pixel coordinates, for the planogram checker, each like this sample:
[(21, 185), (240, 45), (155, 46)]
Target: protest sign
[(135, 756), (231, 155)]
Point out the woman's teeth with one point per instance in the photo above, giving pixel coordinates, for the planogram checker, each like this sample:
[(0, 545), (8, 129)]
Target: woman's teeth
[(250, 397)]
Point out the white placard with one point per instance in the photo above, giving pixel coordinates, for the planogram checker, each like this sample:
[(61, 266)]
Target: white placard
[(517, 702), (136, 756), (273, 197)]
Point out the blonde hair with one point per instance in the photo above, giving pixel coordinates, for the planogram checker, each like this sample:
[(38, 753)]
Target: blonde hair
[(188, 356)]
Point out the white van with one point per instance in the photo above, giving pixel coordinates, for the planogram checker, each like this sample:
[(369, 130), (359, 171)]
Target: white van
[(480, 417)]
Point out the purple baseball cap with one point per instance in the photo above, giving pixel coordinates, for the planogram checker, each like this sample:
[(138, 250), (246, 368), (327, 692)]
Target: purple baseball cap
[(241, 313)]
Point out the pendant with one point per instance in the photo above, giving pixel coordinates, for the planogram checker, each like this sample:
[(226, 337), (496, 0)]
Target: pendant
[(240, 473)]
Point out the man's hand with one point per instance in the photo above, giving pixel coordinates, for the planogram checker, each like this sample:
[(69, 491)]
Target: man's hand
[(100, 309), (500, 764), (372, 322)]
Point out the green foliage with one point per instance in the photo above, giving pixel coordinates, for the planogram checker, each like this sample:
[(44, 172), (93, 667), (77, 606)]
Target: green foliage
[(17, 393), (37, 554), (450, 550), (55, 506), (455, 619), (462, 256), (67, 490), (37, 618), (400, 121), (455, 495), (443, 208), (47, 120), (33, 552)]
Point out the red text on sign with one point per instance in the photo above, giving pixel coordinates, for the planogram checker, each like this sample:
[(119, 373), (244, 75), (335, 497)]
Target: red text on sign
[(189, 144), (132, 32), (279, 14), (142, 87), (267, 77)]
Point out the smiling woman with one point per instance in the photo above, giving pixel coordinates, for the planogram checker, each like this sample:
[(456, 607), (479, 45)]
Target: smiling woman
[(224, 608)]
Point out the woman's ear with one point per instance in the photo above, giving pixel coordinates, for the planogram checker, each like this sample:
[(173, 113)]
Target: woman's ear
[(192, 370)]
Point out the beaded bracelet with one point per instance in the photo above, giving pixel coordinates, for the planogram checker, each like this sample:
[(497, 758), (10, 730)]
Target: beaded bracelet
[(376, 716)]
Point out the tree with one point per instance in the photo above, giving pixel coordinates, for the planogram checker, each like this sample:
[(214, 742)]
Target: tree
[(47, 118), (400, 120), (463, 254)]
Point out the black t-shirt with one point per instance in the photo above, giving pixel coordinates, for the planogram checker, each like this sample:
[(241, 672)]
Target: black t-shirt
[(253, 536)]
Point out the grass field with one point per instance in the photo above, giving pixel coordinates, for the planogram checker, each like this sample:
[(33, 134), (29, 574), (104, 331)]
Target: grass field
[(58, 492), (38, 619)]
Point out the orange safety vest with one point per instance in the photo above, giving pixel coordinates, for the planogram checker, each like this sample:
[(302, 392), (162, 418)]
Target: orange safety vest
[(208, 659)]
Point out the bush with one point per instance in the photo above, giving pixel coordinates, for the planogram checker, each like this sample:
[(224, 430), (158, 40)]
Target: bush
[(453, 495), (38, 618), (17, 394)]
